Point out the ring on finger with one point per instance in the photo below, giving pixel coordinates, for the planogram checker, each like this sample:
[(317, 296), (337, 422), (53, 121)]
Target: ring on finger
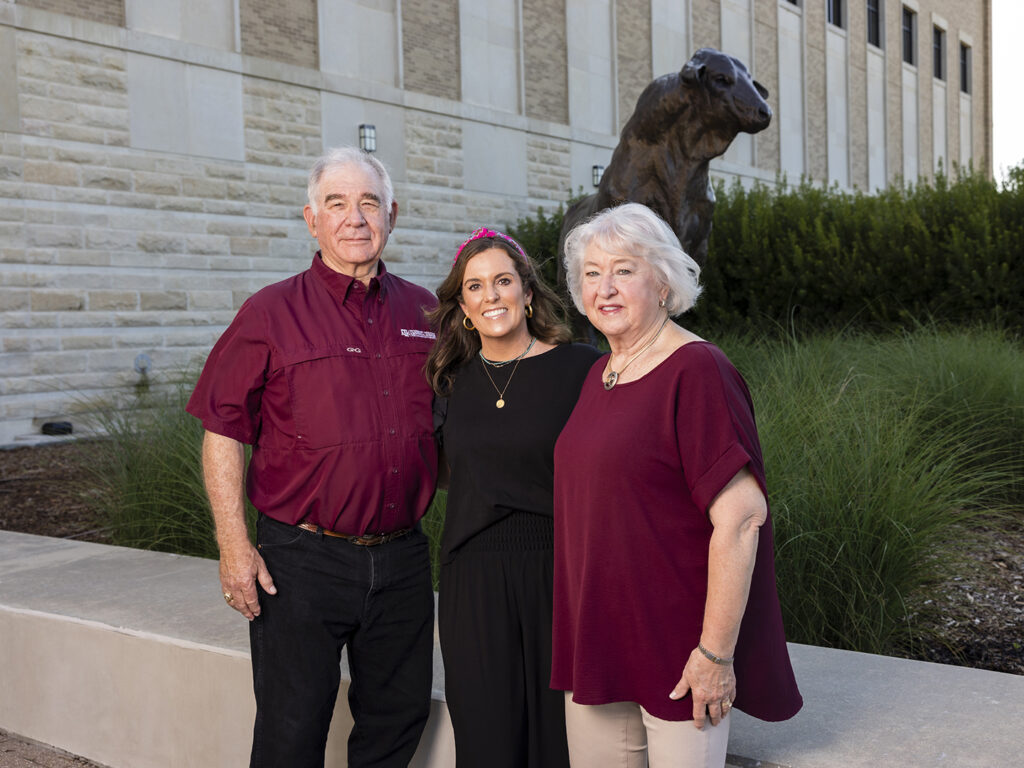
[(228, 597)]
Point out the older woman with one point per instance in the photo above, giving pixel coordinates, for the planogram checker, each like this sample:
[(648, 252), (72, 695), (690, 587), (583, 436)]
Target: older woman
[(506, 381), (665, 609)]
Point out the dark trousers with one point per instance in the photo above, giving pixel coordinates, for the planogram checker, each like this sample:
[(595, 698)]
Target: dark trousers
[(494, 619), (378, 602)]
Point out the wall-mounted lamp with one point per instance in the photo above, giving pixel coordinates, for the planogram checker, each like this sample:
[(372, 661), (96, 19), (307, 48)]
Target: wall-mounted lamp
[(596, 173), (368, 137)]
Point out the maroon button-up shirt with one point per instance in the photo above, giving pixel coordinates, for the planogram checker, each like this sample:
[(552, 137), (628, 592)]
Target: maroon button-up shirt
[(323, 376)]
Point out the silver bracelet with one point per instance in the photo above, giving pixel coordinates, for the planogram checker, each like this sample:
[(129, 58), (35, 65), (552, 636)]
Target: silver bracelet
[(712, 657)]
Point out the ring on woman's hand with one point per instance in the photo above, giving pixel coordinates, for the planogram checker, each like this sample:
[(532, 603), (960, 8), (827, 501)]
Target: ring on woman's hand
[(228, 597), (726, 704)]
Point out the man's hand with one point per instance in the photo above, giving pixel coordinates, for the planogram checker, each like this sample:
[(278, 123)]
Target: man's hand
[(241, 566)]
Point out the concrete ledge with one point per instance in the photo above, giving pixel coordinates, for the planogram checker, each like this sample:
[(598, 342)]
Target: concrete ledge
[(865, 711), (130, 659)]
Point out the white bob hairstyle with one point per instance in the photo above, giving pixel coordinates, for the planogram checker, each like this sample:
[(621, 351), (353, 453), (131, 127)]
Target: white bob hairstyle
[(635, 230), (342, 156)]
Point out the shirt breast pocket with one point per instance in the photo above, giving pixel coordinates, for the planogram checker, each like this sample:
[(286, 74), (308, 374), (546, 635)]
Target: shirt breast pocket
[(330, 393), (408, 358)]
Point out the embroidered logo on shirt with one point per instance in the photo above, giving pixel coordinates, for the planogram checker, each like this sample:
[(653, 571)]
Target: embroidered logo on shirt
[(354, 349), (419, 334)]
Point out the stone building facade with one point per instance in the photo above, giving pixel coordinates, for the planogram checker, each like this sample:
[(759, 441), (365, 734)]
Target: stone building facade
[(153, 155)]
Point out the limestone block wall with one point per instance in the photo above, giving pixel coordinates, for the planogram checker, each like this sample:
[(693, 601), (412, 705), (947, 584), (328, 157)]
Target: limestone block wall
[(104, 11), (706, 17), (858, 91), (766, 71), (282, 123), (282, 30), (433, 151), (430, 46), (633, 39), (972, 20), (548, 167), (894, 98), (72, 91), (815, 74), (111, 247), (153, 176), (545, 51)]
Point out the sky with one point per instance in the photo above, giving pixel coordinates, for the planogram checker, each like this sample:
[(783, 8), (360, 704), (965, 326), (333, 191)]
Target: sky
[(1007, 95)]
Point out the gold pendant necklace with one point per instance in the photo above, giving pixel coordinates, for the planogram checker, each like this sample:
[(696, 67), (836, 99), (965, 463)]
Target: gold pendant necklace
[(613, 376), (501, 392)]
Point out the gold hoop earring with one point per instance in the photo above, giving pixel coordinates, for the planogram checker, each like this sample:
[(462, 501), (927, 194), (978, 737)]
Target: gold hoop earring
[(467, 323), (529, 310), (661, 303)]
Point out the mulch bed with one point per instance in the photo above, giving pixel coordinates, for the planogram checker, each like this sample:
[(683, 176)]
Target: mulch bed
[(44, 490), (975, 618)]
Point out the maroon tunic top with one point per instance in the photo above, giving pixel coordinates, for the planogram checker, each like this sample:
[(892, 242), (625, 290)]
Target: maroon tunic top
[(636, 469), (324, 377)]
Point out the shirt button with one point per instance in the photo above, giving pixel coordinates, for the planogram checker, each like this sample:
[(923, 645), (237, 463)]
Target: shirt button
[(369, 320), (391, 506), (391, 431), (377, 355), (385, 393), (394, 470)]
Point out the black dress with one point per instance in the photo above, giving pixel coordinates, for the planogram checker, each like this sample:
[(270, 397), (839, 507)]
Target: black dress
[(494, 612)]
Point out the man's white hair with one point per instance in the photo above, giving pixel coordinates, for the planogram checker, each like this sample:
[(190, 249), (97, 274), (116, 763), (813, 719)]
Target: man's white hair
[(341, 156)]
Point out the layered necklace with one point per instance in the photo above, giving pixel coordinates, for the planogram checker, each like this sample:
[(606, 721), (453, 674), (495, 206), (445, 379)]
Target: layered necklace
[(501, 364), (613, 376)]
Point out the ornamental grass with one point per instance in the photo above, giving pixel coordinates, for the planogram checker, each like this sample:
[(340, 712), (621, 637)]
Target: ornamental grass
[(882, 456)]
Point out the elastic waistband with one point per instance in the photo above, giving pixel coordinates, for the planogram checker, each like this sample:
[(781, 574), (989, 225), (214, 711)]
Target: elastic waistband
[(516, 532)]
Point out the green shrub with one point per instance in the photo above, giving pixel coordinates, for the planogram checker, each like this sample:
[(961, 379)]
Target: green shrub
[(539, 237), (812, 258), (950, 251)]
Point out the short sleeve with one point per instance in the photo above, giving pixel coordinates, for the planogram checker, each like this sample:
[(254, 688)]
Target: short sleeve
[(229, 392), (716, 434)]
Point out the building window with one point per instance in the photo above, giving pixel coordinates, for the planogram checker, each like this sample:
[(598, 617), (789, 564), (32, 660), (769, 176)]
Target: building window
[(939, 53), (835, 12), (965, 68), (875, 23), (909, 36), (793, 2)]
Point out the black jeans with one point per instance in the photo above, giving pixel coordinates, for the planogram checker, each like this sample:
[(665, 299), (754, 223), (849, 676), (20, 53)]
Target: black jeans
[(376, 600)]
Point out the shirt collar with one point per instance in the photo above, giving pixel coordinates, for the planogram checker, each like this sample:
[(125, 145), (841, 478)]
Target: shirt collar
[(341, 285)]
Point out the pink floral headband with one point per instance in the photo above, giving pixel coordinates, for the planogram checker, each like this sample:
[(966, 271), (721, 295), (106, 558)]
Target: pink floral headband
[(484, 232)]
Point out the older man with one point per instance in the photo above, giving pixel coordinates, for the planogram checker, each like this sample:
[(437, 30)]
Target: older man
[(322, 374)]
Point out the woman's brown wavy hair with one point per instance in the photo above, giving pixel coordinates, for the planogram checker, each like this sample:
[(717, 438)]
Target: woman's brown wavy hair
[(455, 345)]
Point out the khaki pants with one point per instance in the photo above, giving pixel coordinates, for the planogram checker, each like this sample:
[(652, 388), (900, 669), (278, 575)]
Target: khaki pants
[(625, 735)]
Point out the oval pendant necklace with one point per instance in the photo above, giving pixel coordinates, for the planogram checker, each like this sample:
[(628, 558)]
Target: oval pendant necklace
[(613, 376)]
